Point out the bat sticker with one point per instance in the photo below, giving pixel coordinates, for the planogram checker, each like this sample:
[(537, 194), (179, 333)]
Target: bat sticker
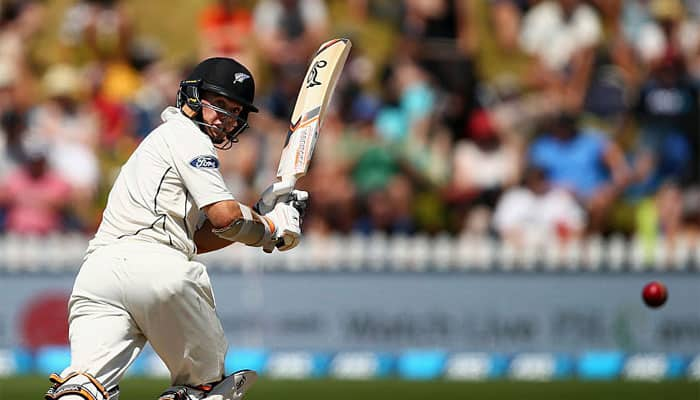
[(311, 79)]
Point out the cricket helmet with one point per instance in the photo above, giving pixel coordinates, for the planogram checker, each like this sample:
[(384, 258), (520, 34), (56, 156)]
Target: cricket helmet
[(223, 76)]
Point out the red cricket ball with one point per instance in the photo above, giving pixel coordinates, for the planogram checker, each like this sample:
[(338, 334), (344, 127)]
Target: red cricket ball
[(654, 294)]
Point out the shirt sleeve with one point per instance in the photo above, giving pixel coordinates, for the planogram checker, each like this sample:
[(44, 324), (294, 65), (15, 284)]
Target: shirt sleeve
[(198, 166)]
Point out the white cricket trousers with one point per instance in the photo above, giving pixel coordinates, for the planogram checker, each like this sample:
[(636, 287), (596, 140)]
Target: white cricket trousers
[(131, 292)]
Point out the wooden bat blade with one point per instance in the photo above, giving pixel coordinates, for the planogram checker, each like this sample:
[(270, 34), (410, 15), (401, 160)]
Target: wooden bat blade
[(309, 111)]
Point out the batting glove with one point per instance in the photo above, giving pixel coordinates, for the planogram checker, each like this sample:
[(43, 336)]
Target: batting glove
[(286, 221), (298, 198)]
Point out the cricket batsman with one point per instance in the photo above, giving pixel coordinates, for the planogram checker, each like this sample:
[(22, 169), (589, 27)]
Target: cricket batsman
[(138, 282)]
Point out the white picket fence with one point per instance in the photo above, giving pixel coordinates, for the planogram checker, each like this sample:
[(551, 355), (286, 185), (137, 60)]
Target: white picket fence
[(383, 253)]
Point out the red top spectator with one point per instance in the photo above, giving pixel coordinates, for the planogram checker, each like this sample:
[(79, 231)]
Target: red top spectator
[(225, 28)]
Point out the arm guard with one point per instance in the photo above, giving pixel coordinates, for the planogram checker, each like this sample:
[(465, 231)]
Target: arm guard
[(247, 230)]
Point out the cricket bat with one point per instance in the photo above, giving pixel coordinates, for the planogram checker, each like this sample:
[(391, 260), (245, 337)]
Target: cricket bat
[(307, 118)]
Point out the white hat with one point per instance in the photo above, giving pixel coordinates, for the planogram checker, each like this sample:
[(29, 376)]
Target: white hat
[(62, 80)]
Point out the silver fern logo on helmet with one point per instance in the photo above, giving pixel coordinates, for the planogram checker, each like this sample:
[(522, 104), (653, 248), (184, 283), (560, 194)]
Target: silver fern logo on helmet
[(240, 77)]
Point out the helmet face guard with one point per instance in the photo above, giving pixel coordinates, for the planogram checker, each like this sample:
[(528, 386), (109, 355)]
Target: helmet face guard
[(241, 124), (225, 77), (190, 95)]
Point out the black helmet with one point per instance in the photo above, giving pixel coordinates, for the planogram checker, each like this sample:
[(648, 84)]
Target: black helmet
[(223, 76)]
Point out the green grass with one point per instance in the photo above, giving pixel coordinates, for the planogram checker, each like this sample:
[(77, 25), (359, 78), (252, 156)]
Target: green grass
[(26, 388)]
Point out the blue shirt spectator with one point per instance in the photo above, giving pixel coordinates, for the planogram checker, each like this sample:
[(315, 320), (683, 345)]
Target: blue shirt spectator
[(592, 167), (575, 164)]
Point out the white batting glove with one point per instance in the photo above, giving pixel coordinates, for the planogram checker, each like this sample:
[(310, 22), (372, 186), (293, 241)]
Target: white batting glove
[(268, 201), (287, 228), (273, 194)]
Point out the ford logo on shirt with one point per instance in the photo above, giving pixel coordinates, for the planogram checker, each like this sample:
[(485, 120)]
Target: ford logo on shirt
[(205, 162)]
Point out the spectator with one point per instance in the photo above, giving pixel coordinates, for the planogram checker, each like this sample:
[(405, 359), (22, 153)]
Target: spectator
[(12, 134), (374, 165), (506, 17), (289, 31), (34, 196), (282, 95), (615, 70), (406, 123), (524, 61), (439, 38), (387, 210), (155, 93), (69, 127), (432, 27), (96, 30), (592, 167), (408, 106), (662, 29), (555, 31), (20, 21), (667, 111), (537, 213), (562, 35), (8, 87), (483, 166), (225, 29)]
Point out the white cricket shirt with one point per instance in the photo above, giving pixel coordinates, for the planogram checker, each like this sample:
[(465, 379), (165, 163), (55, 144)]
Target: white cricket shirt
[(160, 190)]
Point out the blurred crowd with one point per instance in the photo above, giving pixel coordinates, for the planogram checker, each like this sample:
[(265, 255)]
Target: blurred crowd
[(524, 120)]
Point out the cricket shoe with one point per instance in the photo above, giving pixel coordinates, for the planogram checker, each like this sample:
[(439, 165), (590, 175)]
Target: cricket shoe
[(233, 387)]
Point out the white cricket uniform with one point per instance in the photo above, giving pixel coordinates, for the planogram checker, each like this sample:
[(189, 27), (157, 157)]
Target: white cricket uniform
[(137, 281)]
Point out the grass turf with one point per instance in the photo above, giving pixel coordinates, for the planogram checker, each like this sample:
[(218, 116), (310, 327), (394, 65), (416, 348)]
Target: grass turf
[(33, 387)]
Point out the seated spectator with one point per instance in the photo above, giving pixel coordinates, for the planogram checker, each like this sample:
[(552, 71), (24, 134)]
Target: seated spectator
[(34, 196), (20, 22), (282, 96), (155, 92), (536, 212), (584, 162), (13, 126), (290, 31), (661, 27), (483, 166), (439, 36), (70, 128), (406, 123), (561, 35), (388, 210), (96, 30), (667, 111), (556, 30), (615, 71), (506, 17), (408, 104), (225, 30)]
